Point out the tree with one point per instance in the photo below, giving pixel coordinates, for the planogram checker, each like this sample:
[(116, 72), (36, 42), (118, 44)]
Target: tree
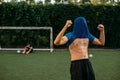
[(95, 2), (1, 1)]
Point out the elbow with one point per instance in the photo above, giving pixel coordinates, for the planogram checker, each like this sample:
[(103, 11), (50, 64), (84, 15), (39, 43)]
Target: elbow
[(56, 43), (102, 44)]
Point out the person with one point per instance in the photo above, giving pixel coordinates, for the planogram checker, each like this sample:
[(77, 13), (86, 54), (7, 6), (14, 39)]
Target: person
[(27, 49), (78, 41)]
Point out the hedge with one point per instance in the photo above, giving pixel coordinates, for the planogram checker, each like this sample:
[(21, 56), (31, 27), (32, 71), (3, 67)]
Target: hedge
[(23, 14)]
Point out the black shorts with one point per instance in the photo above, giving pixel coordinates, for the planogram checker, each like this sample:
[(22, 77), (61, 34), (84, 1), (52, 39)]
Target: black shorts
[(82, 70)]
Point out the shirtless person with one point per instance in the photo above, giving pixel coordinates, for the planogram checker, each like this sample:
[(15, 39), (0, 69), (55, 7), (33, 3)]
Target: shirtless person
[(27, 49), (78, 41)]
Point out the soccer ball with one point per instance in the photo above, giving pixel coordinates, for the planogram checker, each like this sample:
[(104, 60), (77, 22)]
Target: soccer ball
[(18, 51), (90, 55)]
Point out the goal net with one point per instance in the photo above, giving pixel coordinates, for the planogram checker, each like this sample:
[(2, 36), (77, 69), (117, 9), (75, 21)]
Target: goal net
[(15, 38)]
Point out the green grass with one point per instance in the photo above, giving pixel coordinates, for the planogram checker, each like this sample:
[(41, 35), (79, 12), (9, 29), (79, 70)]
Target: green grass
[(43, 65)]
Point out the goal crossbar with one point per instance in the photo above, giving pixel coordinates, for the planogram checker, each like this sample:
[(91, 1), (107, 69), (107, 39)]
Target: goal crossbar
[(30, 28), (25, 27)]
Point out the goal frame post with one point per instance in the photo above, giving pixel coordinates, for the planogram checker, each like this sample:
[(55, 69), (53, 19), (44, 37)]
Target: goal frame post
[(30, 28)]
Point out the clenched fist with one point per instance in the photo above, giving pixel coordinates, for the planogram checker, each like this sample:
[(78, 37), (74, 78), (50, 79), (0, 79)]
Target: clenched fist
[(68, 23), (100, 27)]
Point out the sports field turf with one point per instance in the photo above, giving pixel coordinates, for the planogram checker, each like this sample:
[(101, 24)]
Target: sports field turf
[(43, 65)]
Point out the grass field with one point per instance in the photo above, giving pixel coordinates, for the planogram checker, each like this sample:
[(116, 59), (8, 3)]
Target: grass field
[(43, 65)]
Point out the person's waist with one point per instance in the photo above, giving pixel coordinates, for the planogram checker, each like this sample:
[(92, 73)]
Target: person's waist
[(77, 60), (75, 57)]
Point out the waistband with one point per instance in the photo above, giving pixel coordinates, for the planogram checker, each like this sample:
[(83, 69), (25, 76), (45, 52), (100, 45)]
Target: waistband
[(80, 60)]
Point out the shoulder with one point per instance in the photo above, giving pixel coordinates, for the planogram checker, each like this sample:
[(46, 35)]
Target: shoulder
[(68, 35), (91, 37)]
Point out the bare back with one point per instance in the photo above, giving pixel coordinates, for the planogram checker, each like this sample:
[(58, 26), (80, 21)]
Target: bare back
[(79, 49)]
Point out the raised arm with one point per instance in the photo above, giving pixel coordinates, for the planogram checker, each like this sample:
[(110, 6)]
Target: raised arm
[(60, 39), (101, 40)]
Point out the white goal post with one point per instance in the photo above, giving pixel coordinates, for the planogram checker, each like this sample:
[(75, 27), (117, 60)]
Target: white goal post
[(30, 28)]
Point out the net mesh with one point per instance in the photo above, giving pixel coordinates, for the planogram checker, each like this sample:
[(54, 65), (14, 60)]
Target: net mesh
[(18, 37)]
